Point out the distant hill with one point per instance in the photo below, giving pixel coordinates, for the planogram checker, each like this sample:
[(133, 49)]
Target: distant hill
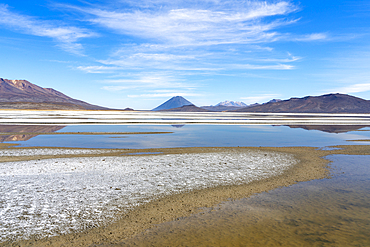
[(187, 108), (328, 103), (22, 94), (274, 101), (174, 102)]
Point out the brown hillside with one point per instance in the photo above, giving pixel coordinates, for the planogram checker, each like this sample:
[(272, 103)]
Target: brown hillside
[(329, 103), (22, 94)]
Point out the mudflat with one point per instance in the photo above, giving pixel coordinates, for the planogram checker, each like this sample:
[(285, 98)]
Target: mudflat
[(311, 165)]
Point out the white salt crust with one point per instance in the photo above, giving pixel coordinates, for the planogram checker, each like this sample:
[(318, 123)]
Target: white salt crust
[(50, 197), (155, 117), (49, 151)]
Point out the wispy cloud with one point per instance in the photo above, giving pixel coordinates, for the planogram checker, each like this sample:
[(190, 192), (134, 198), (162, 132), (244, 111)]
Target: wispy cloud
[(163, 95), (67, 37), (264, 67), (229, 22), (261, 98), (175, 38), (347, 72), (312, 37), (355, 88), (151, 86), (193, 35), (98, 69), (149, 81), (289, 59)]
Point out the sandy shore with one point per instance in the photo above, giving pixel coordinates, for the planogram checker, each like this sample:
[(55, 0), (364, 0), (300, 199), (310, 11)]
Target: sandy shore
[(311, 166)]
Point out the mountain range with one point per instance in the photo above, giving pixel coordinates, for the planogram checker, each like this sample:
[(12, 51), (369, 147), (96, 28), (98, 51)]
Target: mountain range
[(233, 105), (328, 103), (22, 94)]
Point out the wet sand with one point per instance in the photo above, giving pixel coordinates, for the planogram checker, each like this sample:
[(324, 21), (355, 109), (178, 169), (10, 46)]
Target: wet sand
[(326, 212), (311, 166)]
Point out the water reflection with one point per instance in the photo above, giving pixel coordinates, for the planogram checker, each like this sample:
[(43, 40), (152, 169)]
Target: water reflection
[(178, 125), (186, 136), (330, 128), (327, 212), (24, 132)]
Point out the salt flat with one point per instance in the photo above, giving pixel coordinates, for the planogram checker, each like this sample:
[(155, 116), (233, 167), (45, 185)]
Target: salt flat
[(57, 196), (148, 117)]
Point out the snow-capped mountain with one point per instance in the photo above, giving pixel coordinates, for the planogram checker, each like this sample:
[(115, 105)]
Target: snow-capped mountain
[(232, 103)]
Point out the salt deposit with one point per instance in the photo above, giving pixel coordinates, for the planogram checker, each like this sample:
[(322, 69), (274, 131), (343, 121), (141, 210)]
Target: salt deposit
[(148, 117), (49, 151), (57, 196)]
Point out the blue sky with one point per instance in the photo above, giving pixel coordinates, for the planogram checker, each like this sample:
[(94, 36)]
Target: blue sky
[(126, 53)]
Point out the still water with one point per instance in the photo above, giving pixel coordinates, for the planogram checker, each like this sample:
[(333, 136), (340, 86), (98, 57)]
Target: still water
[(326, 212), (196, 136)]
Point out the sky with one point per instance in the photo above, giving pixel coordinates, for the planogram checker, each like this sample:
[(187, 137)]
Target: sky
[(138, 54)]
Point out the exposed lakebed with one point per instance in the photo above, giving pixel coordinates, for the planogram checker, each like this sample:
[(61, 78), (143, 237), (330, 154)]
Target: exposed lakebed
[(326, 212), (100, 189)]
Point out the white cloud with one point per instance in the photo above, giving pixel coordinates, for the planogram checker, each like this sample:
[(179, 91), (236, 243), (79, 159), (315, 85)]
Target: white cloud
[(355, 88), (197, 36), (289, 59), (97, 69), (161, 57), (67, 37), (262, 98), (312, 37), (116, 88), (348, 71), (264, 67), (148, 82), (163, 95), (231, 22)]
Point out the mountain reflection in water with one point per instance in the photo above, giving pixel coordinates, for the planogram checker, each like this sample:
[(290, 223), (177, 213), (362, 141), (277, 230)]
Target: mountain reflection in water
[(26, 129), (323, 128), (330, 128)]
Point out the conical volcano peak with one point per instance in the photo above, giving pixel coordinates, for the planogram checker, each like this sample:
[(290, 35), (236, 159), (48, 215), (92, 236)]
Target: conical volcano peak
[(174, 102)]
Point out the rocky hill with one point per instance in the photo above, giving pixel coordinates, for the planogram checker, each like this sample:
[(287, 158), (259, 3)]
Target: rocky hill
[(22, 94), (329, 103)]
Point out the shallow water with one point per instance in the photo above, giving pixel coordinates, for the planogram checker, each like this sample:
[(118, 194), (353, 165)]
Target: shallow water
[(198, 136), (327, 212)]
